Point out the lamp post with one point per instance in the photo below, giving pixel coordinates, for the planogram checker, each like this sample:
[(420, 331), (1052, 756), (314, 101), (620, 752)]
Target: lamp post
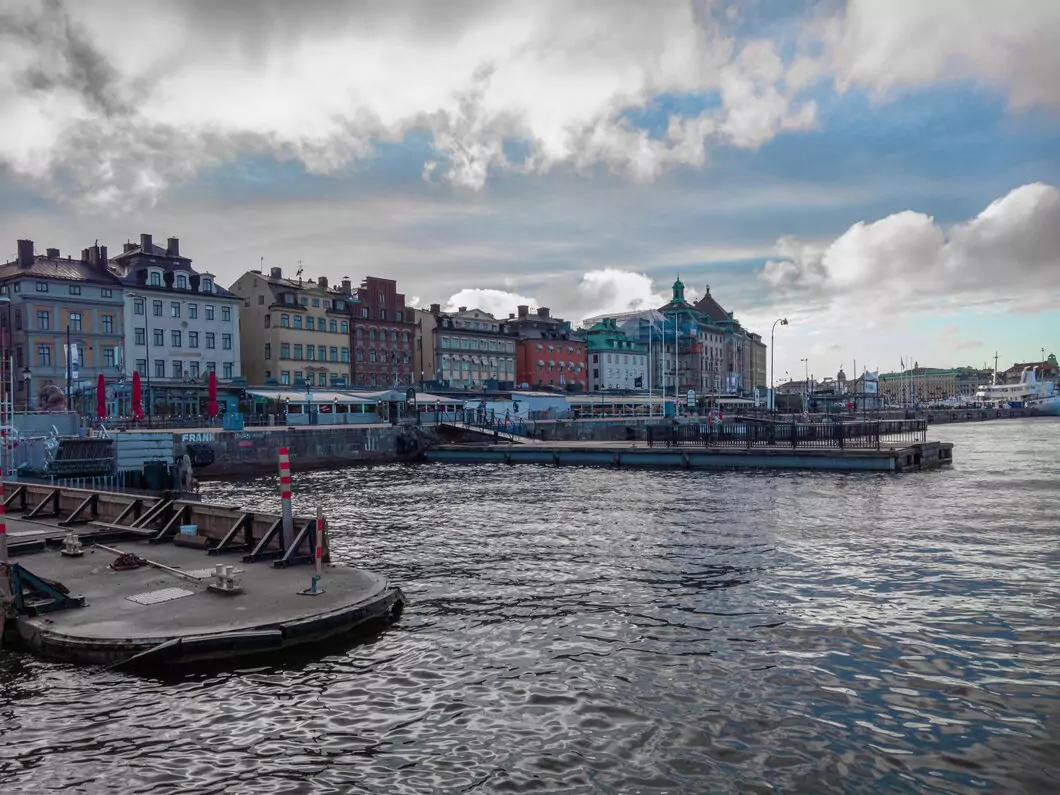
[(27, 377), (806, 384), (772, 384)]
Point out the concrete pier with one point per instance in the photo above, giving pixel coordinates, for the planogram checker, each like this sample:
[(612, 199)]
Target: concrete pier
[(76, 603), (897, 458)]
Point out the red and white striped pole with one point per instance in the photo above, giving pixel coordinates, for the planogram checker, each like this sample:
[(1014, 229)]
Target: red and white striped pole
[(318, 550), (285, 498)]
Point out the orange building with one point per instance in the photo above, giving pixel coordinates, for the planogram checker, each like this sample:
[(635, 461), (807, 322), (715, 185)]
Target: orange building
[(547, 354)]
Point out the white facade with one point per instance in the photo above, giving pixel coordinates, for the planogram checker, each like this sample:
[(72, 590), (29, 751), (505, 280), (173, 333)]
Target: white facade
[(175, 333), (617, 370)]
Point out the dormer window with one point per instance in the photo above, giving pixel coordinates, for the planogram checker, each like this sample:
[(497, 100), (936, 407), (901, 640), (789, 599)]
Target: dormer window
[(207, 285), (155, 278), (288, 298), (182, 282)]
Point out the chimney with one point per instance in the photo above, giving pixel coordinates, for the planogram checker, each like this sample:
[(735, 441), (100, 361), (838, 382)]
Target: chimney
[(542, 311), (347, 286), (25, 253), (85, 255), (193, 280), (103, 260), (53, 253), (436, 309), (462, 309), (523, 311), (173, 247), (145, 243), (93, 254), (127, 247), (275, 273), (322, 281), (511, 315)]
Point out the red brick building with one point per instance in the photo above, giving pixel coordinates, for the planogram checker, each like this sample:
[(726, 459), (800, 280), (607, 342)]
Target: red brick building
[(382, 331), (547, 354)]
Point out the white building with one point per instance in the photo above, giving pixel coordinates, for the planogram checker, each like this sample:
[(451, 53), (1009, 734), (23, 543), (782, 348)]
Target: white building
[(179, 325)]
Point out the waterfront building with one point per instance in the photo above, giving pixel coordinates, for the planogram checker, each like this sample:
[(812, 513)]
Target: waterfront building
[(294, 332), (424, 364), (179, 326), (472, 349), (1046, 370), (970, 380), (41, 297), (548, 353), (918, 385), (740, 350), (759, 362), (383, 333), (615, 361)]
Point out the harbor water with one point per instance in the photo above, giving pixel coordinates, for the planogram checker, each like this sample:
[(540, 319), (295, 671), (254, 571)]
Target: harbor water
[(608, 631)]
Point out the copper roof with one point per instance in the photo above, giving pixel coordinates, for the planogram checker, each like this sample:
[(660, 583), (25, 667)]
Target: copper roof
[(59, 268)]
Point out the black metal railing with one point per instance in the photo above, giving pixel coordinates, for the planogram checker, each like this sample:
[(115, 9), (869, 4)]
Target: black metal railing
[(865, 435)]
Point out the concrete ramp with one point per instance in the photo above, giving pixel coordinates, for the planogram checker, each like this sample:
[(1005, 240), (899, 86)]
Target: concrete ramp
[(489, 433)]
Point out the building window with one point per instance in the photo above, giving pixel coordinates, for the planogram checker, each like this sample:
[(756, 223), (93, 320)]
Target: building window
[(333, 327), (261, 300), (44, 320), (360, 354), (285, 377), (141, 367), (334, 353), (371, 355), (194, 366), (211, 340), (156, 308), (176, 338), (193, 311), (159, 337), (44, 355), (322, 352), (174, 308), (226, 342), (304, 300), (310, 353), (268, 321), (108, 324), (207, 285), (268, 350), (209, 311), (42, 287), (226, 313), (285, 321), (316, 302), (309, 324), (138, 306), (297, 351), (211, 367), (75, 289), (345, 355), (285, 350), (226, 370), (75, 321), (156, 281), (182, 282), (139, 336), (160, 368), (298, 321), (193, 339), (108, 357), (178, 368), (105, 293), (345, 327)]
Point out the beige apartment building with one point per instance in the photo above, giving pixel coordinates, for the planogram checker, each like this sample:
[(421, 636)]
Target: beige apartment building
[(294, 332)]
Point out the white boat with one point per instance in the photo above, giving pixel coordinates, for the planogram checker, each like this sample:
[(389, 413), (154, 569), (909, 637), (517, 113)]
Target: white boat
[(1028, 393)]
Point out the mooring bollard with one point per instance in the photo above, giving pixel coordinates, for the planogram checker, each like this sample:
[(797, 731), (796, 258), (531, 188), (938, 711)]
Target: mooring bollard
[(318, 555), (285, 498)]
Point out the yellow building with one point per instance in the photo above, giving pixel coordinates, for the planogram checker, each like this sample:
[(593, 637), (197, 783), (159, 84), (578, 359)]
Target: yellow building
[(918, 385)]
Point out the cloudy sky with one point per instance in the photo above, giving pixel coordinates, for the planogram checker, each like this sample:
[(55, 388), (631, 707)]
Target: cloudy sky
[(884, 173)]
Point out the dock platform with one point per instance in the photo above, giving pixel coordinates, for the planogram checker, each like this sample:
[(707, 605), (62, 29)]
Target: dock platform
[(166, 607), (889, 458)]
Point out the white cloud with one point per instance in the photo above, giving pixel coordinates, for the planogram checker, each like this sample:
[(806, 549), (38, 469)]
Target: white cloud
[(499, 303), (894, 44), (906, 261)]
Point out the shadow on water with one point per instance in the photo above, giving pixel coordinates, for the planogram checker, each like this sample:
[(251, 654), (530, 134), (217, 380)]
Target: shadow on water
[(606, 631)]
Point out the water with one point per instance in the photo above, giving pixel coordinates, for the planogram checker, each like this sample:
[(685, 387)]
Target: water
[(578, 630)]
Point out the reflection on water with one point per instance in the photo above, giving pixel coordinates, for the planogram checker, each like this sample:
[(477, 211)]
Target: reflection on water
[(580, 630)]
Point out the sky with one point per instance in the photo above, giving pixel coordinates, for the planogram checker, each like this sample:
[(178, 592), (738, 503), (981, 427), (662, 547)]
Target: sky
[(882, 173)]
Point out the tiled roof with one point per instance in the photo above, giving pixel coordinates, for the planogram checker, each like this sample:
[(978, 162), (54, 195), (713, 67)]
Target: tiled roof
[(711, 308), (68, 269)]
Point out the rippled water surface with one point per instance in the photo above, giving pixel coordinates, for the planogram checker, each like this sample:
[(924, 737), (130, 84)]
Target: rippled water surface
[(587, 630)]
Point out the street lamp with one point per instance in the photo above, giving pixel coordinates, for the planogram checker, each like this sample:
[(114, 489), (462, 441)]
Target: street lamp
[(772, 384), (26, 376), (806, 384)]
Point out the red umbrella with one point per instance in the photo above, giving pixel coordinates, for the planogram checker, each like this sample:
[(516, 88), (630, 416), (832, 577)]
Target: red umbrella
[(137, 397), (101, 397), (211, 394)]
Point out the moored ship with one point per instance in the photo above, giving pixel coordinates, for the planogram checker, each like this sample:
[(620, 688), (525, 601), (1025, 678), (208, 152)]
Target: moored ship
[(1028, 393)]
